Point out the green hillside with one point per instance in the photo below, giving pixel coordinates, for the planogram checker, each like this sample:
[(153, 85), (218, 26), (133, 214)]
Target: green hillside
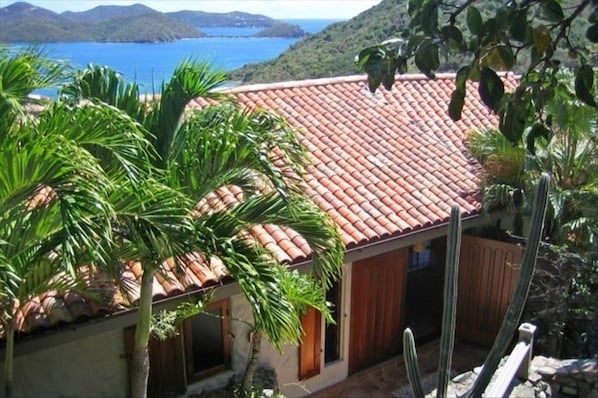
[(150, 28), (331, 52), (236, 19), (104, 13), (23, 22), (281, 29)]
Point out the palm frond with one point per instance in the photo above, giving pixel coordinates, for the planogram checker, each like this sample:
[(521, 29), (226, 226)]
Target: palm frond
[(190, 79), (225, 145), (111, 136), (22, 73), (106, 85)]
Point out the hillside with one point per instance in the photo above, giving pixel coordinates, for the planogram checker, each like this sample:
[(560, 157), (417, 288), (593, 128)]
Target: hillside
[(331, 52), (23, 22), (104, 13), (235, 19), (149, 28), (282, 29)]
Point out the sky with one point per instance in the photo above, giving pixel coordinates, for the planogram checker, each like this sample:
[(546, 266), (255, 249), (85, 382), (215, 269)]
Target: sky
[(278, 9)]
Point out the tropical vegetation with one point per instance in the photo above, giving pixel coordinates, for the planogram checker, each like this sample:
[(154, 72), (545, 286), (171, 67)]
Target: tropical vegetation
[(55, 207), (568, 152), (145, 168)]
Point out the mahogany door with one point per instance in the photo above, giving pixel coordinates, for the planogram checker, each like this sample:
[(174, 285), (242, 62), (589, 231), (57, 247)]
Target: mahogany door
[(378, 286)]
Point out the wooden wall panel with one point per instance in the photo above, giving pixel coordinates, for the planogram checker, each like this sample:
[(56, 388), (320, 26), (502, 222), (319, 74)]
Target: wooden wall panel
[(488, 274), (311, 345), (378, 290)]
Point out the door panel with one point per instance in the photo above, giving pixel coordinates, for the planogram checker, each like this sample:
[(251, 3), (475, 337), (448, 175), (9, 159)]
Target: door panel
[(488, 274), (378, 286)]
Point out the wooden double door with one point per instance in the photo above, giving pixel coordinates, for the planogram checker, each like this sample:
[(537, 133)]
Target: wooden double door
[(378, 287)]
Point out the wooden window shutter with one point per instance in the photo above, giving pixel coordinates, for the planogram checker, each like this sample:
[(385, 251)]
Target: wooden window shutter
[(167, 367), (311, 347)]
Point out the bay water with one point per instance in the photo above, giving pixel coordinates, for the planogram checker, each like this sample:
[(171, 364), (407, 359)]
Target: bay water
[(150, 63)]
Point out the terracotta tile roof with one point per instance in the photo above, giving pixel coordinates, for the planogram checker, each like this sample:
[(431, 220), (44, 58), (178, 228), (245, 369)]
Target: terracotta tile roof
[(383, 165)]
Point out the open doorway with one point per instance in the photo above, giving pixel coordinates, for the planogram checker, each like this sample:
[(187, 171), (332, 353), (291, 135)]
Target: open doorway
[(425, 282)]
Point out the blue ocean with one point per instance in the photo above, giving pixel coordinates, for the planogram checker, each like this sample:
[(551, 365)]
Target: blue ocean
[(149, 64)]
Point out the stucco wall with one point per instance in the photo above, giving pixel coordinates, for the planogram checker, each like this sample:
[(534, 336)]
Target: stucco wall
[(86, 367), (285, 362), (94, 366)]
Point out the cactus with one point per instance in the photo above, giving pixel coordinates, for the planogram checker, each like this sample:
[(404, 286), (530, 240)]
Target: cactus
[(449, 310), (412, 367), (511, 319)]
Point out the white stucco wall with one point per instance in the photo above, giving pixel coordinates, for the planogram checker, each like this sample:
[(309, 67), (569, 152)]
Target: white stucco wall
[(85, 367), (286, 362), (94, 366)]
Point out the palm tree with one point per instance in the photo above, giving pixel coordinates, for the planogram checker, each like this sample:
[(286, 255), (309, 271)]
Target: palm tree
[(253, 153), (24, 72), (569, 153), (55, 212)]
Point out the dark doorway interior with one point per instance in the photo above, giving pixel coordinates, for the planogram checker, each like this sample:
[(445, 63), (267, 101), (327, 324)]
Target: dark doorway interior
[(425, 281)]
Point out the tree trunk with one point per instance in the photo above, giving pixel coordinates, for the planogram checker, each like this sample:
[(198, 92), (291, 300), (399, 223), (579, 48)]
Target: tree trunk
[(9, 358), (256, 344), (140, 365)]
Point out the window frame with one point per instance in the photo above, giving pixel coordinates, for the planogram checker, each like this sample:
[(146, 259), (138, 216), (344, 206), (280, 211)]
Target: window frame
[(192, 376)]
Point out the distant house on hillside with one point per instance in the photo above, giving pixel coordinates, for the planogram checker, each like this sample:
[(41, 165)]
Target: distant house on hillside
[(386, 167)]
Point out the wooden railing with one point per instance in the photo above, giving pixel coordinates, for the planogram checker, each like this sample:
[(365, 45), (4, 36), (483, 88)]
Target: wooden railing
[(517, 364)]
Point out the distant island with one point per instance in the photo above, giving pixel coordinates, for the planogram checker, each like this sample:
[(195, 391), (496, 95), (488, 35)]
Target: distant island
[(25, 23)]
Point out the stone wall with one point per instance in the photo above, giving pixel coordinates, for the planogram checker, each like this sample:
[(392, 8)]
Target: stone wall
[(568, 377)]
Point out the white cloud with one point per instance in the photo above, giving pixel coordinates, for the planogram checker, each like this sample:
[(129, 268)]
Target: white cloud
[(300, 9)]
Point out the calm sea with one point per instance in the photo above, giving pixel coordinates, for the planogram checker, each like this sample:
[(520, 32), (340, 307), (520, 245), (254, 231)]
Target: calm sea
[(225, 48)]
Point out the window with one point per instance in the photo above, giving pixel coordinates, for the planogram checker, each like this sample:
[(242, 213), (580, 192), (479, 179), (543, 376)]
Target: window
[(200, 350), (420, 255), (207, 346), (311, 344), (332, 333)]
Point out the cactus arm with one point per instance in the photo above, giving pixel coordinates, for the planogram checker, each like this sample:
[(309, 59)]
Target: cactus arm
[(449, 310), (511, 320), (410, 356)]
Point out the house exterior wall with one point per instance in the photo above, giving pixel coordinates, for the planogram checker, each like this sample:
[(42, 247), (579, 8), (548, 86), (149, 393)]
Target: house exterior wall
[(286, 363), (95, 366), (91, 366)]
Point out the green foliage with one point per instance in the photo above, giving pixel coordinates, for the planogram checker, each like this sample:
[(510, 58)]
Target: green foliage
[(529, 37), (567, 149), (582, 309), (56, 212)]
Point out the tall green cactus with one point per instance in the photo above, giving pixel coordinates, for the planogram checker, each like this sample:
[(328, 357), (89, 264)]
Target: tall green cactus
[(528, 264), (511, 320), (410, 355), (449, 310)]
